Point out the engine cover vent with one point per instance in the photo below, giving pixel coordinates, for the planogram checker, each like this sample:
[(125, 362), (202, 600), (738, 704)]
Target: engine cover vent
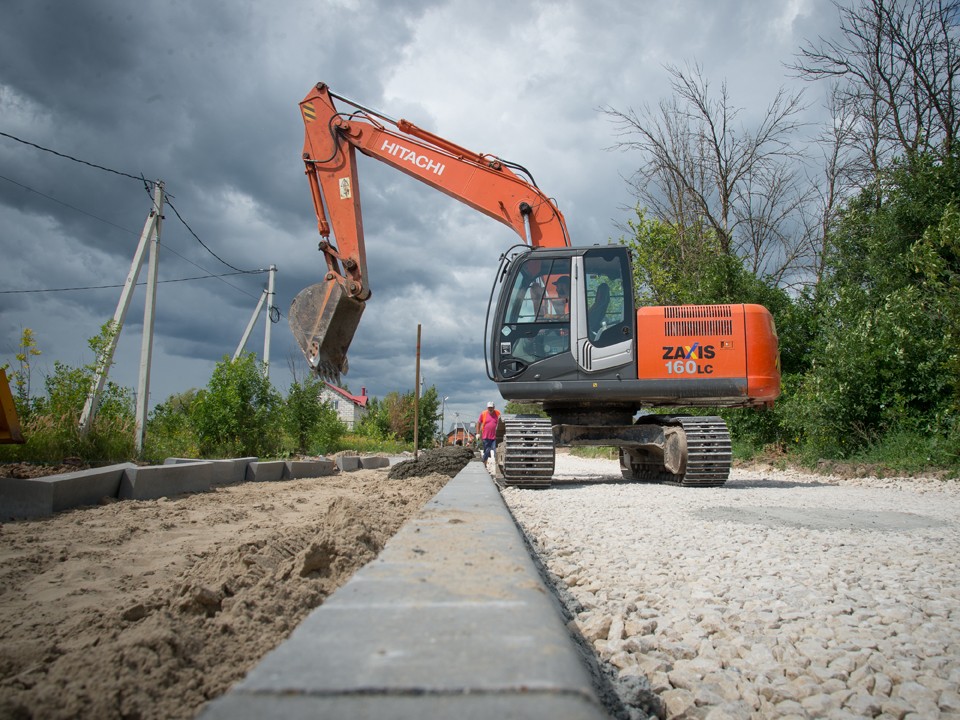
[(699, 320)]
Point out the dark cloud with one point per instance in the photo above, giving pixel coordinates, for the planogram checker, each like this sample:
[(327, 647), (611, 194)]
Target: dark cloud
[(204, 96)]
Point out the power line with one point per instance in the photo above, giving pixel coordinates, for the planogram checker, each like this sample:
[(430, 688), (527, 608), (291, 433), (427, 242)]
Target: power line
[(136, 234), (67, 205), (146, 184), (219, 277), (105, 287), (76, 160), (176, 212)]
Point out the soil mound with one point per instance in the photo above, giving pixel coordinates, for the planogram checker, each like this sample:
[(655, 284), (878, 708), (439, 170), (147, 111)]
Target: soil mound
[(148, 609), (446, 460)]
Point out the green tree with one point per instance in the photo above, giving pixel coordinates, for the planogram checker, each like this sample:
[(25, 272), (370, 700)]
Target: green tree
[(239, 413), (429, 417), (51, 424), (396, 413), (398, 410), (170, 430), (375, 423), (22, 376), (937, 261), (885, 349), (313, 424)]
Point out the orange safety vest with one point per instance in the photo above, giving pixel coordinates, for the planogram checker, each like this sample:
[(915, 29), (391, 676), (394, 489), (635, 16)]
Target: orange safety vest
[(482, 423)]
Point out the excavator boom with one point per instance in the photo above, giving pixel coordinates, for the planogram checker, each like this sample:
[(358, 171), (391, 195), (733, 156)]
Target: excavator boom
[(324, 317)]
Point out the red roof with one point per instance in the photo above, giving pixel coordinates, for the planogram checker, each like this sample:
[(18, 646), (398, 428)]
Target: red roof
[(360, 400)]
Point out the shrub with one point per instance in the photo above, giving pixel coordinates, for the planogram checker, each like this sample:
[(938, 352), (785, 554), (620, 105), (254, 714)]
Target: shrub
[(313, 426), (239, 413)]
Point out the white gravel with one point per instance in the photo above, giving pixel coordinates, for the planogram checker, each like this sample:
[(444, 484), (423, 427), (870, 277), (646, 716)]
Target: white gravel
[(779, 595)]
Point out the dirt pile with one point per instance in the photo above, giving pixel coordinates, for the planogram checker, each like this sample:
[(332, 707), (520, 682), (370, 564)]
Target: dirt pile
[(25, 470), (149, 609), (447, 461)]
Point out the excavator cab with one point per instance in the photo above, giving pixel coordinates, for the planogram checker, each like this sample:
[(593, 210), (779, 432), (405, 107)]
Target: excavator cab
[(563, 314)]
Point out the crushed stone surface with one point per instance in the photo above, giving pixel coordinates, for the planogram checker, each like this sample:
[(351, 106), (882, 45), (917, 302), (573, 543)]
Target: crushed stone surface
[(780, 595), (149, 609)]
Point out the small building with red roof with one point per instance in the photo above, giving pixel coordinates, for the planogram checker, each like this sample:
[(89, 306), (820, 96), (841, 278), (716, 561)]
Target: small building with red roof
[(350, 408)]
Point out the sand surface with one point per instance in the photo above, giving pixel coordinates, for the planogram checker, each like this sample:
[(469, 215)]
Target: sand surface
[(149, 609)]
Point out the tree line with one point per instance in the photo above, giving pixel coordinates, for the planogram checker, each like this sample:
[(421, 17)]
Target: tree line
[(239, 413), (851, 239)]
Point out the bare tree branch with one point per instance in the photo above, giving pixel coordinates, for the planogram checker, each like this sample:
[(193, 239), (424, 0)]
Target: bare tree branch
[(899, 63), (704, 171)]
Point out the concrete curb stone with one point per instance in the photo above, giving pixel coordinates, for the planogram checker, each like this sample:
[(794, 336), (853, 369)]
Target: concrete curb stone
[(374, 463), (297, 469), (24, 498), (222, 472), (348, 463), (452, 619), (157, 481), (269, 471)]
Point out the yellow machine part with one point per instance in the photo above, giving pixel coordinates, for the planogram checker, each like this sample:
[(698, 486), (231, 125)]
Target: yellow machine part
[(9, 423)]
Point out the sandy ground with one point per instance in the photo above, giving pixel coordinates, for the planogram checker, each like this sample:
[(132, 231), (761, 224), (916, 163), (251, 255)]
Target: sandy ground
[(149, 609)]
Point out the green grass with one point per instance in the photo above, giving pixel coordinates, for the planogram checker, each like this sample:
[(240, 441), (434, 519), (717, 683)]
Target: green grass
[(596, 451), (363, 444)]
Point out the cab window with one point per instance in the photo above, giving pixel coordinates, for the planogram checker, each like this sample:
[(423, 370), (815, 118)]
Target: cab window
[(537, 323), (607, 279)]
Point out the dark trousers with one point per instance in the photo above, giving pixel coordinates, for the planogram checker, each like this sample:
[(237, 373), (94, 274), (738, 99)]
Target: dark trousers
[(489, 448)]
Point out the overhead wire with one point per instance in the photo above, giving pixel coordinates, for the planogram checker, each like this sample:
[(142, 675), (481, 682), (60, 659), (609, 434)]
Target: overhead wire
[(70, 157), (105, 287), (146, 183), (136, 234), (197, 238), (65, 204)]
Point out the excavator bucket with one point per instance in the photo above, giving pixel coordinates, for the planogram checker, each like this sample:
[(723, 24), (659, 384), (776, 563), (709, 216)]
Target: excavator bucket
[(9, 424), (323, 319)]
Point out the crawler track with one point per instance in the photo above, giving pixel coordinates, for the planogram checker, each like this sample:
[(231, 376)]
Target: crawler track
[(525, 455), (708, 455)]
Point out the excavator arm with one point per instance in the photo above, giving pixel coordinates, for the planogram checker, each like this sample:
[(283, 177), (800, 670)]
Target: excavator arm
[(324, 317)]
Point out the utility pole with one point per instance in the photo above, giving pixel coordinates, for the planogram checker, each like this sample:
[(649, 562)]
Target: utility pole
[(269, 322), (266, 297), (151, 229), (146, 342), (253, 319), (416, 402), (443, 412)]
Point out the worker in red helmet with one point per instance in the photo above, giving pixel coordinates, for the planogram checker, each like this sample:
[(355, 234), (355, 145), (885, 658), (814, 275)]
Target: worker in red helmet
[(487, 429)]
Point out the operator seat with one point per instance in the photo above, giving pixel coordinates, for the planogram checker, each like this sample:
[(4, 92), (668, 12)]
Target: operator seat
[(599, 308)]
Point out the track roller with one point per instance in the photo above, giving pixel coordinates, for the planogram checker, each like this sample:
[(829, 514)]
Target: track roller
[(699, 453)]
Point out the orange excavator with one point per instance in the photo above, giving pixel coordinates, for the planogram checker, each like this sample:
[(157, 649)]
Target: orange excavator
[(562, 330)]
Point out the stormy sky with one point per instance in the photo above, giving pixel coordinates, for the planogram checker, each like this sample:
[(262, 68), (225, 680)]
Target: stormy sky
[(204, 96)]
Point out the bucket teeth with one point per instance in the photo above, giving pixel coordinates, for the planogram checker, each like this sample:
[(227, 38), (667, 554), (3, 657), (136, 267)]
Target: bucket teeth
[(323, 319)]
